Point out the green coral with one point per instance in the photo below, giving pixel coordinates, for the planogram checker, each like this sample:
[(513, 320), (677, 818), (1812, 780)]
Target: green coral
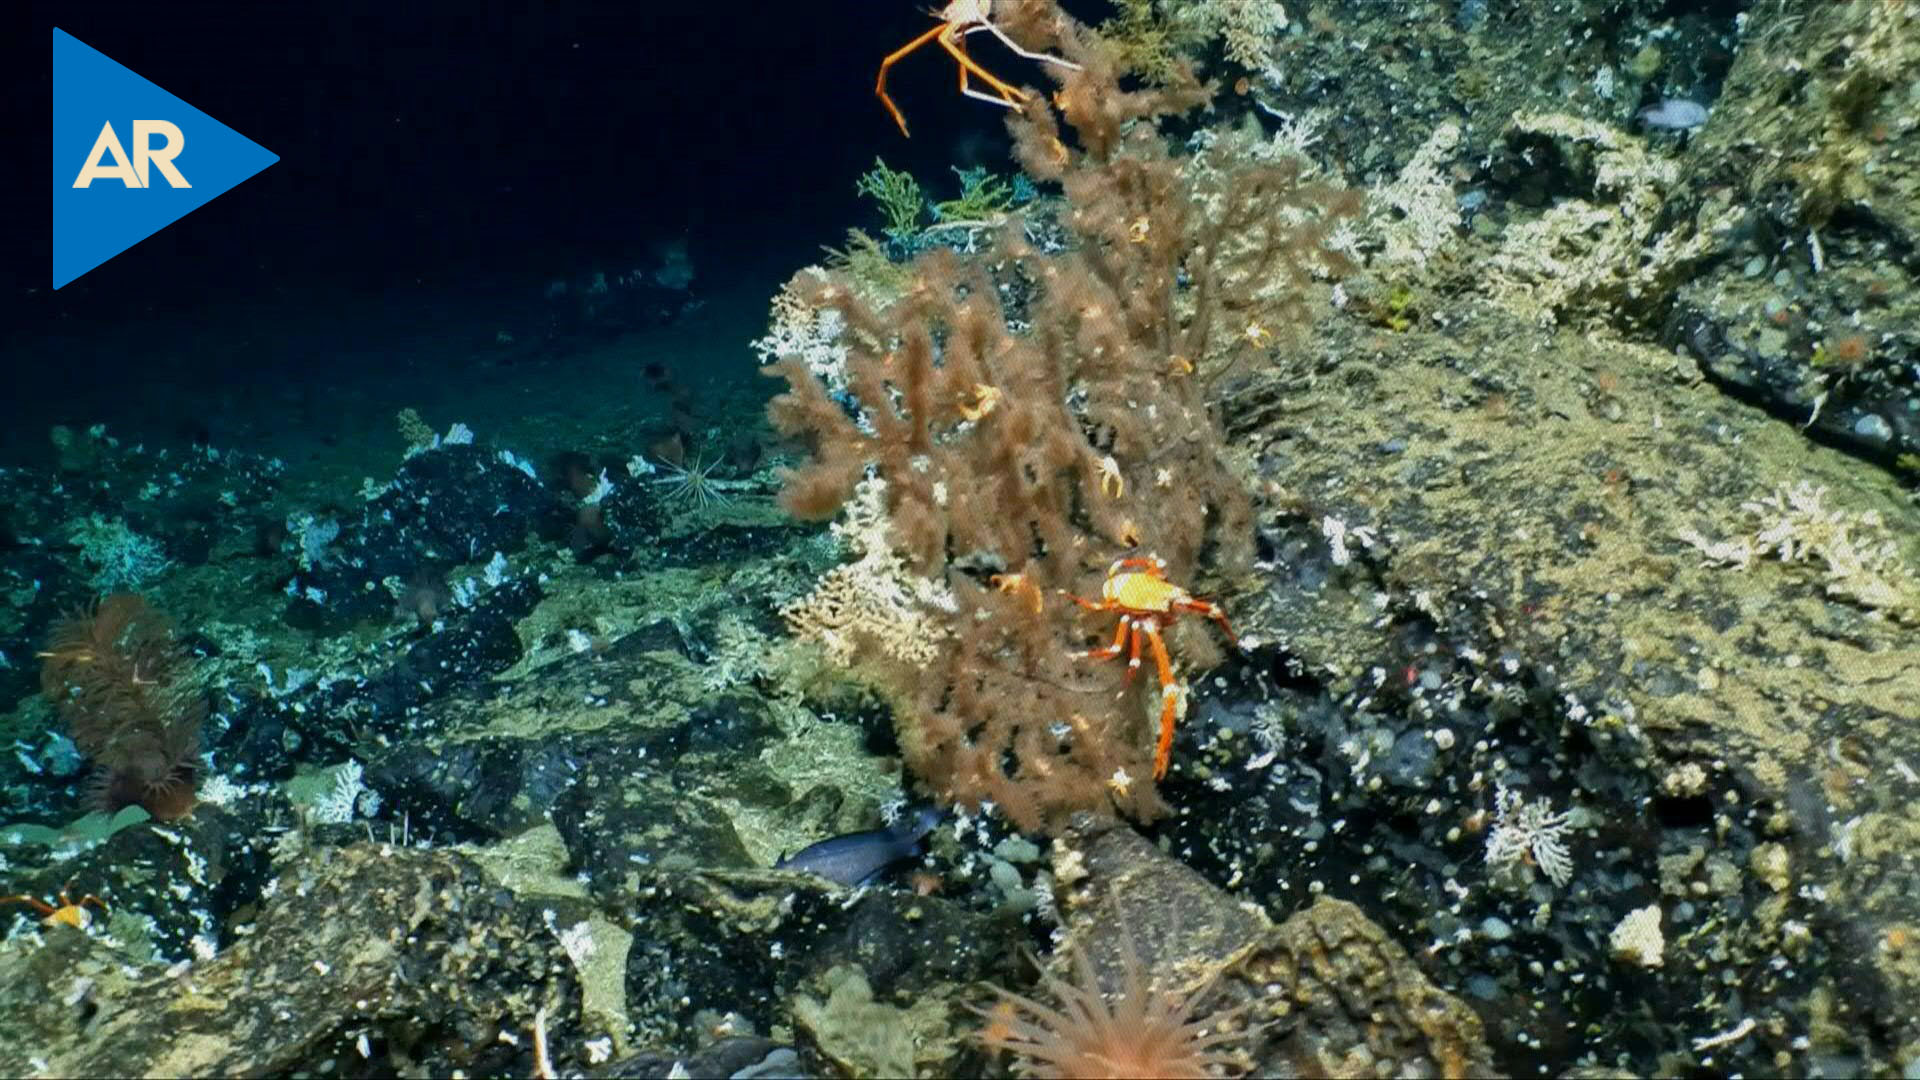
[(1152, 38), (878, 280), (1399, 314), (898, 194), (982, 196)]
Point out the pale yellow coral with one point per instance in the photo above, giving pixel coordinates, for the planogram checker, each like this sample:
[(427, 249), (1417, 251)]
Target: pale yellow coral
[(1588, 258), (874, 600), (1794, 524)]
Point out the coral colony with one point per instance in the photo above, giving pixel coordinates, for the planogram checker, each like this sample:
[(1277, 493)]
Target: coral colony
[(1004, 468)]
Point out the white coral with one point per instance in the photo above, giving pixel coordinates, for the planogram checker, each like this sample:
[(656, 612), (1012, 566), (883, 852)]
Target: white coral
[(1416, 215), (1793, 525), (812, 334), (1249, 30), (337, 804), (1524, 830), (876, 598), (1592, 255), (1638, 940)]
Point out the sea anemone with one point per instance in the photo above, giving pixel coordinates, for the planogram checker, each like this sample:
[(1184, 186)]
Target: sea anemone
[(1139, 1032)]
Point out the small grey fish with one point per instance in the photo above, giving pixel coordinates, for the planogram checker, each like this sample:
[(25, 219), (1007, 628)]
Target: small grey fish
[(856, 858), (1674, 114)]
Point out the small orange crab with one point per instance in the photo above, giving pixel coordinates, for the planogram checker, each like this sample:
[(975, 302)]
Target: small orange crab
[(958, 19), (69, 912), (1148, 603)]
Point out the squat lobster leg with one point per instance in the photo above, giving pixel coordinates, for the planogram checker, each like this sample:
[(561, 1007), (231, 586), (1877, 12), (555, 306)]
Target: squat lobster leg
[(958, 19), (1119, 640), (1169, 704)]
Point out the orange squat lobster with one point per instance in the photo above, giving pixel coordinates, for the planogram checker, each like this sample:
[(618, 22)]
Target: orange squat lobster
[(69, 913), (958, 19), (1148, 603)]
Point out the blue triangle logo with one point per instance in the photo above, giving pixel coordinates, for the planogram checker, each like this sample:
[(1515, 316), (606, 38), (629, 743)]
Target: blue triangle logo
[(129, 159)]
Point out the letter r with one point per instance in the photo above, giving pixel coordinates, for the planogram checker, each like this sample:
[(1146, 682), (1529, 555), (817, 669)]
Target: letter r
[(144, 151)]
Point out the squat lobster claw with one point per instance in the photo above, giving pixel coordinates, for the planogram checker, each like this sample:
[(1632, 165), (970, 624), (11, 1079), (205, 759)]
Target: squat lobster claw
[(1148, 603), (958, 19)]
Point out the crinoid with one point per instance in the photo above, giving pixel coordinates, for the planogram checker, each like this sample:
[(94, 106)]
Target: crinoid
[(694, 483), (126, 688)]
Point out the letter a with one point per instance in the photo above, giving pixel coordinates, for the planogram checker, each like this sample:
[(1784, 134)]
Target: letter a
[(107, 144)]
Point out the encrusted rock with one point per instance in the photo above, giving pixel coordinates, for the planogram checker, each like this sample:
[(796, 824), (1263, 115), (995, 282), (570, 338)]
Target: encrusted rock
[(404, 962)]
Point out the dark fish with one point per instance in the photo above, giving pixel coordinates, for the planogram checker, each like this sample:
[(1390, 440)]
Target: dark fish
[(856, 858)]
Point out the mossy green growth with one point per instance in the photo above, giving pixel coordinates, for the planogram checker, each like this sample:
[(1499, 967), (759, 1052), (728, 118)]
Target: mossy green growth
[(1147, 42), (878, 279), (1471, 84), (982, 196), (1397, 312), (865, 1037), (1646, 63), (898, 194)]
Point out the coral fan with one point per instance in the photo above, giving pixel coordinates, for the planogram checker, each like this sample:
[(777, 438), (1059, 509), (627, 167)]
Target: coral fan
[(1035, 415), (1139, 1033), (126, 689)]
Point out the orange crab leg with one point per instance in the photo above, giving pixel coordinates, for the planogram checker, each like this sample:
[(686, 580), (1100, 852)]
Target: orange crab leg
[(880, 84), (1133, 659), (1211, 611), (1083, 602), (1010, 96), (1169, 693), (1113, 650), (967, 89)]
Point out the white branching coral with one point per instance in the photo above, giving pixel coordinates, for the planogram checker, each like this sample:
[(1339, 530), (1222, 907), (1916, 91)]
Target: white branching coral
[(1415, 216), (797, 328), (1524, 831), (1793, 525), (739, 655), (1250, 31), (347, 794), (1293, 141), (874, 600), (1582, 256)]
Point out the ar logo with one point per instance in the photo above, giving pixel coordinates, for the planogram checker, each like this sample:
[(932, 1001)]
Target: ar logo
[(146, 156), (118, 180)]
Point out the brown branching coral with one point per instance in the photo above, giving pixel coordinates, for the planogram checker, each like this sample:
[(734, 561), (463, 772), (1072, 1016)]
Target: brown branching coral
[(125, 686), (1021, 454)]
